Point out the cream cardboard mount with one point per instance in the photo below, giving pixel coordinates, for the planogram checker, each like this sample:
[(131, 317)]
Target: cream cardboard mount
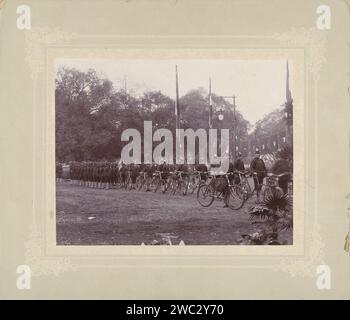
[(35, 34)]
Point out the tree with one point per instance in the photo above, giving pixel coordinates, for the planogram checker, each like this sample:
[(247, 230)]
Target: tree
[(269, 132), (194, 109), (91, 115), (81, 99)]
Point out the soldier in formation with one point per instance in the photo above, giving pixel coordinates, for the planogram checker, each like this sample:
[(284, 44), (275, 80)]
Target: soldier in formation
[(106, 175), (102, 175), (59, 172)]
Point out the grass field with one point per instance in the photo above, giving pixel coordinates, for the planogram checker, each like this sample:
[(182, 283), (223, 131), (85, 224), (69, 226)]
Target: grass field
[(118, 217)]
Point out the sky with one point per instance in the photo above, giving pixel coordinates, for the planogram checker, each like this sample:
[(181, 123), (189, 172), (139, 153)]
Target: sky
[(259, 85)]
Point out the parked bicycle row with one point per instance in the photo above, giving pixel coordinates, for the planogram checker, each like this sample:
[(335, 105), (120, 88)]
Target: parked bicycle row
[(232, 187)]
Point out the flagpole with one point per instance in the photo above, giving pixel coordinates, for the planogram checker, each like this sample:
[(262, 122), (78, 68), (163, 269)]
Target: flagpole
[(177, 113), (210, 107), (177, 106), (210, 116)]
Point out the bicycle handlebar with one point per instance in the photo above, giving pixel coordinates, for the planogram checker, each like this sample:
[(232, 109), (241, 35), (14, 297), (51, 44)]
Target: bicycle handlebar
[(278, 175)]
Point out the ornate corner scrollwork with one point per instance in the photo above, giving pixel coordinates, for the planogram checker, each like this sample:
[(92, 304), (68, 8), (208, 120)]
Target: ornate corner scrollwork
[(42, 266), (311, 39), (314, 42), (315, 256), (37, 39), (36, 42)]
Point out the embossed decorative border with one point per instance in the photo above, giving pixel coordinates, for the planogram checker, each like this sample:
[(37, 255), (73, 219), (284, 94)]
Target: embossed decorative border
[(315, 42), (37, 39), (347, 238)]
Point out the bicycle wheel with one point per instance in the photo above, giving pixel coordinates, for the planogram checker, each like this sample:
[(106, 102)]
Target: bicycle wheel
[(130, 184), (156, 185), (175, 187), (205, 195), (168, 185), (246, 191), (126, 184), (172, 186), (121, 183), (236, 198), (193, 186), (164, 186), (152, 184), (139, 183), (146, 184), (184, 187)]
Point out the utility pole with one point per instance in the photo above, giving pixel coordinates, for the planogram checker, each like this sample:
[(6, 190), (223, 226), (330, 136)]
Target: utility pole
[(232, 154)]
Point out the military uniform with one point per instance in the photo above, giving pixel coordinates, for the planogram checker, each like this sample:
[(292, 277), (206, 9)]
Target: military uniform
[(257, 165)]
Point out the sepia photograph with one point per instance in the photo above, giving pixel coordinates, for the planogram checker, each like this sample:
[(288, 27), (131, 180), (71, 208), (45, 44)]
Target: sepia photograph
[(174, 152), (174, 155)]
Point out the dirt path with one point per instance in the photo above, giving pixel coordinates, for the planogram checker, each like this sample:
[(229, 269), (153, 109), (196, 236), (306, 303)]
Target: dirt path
[(118, 217)]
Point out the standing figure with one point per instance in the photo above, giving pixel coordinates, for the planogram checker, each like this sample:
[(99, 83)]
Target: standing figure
[(230, 171), (282, 166), (258, 169), (238, 166)]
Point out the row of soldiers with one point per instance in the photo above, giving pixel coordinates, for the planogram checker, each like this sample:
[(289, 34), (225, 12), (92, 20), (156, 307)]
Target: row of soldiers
[(59, 172), (106, 174)]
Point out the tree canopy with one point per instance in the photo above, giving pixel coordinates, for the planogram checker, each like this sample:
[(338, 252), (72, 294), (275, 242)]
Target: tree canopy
[(91, 115)]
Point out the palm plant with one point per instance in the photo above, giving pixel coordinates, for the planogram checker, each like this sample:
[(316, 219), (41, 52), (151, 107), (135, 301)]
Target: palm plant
[(275, 213)]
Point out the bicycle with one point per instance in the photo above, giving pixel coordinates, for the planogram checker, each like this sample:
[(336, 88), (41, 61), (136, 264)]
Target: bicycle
[(172, 181), (140, 180), (123, 179), (148, 181), (193, 182), (158, 181), (271, 186), (179, 183), (128, 183), (208, 192)]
